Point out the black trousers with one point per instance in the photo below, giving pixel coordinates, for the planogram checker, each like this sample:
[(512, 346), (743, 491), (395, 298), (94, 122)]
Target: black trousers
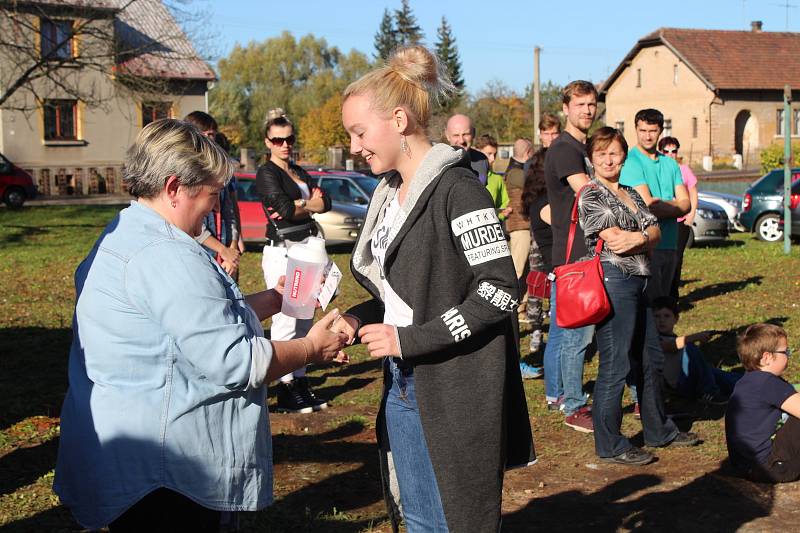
[(783, 464), (164, 511), (683, 239)]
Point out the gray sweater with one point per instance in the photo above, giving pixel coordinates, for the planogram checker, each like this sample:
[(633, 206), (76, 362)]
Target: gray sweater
[(449, 261)]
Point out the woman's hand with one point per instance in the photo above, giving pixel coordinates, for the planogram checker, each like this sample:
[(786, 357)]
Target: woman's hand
[(624, 242), (229, 267), (326, 344), (230, 255), (281, 285), (381, 340), (347, 324)]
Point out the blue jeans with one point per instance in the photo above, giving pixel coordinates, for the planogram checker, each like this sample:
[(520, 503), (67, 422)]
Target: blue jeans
[(697, 377), (628, 339), (575, 343), (553, 384), (419, 492)]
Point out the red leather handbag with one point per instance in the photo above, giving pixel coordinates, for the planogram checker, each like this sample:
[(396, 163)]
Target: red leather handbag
[(538, 284), (580, 291)]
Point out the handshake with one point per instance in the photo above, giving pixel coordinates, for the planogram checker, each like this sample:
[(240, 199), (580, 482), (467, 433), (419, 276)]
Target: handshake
[(335, 331)]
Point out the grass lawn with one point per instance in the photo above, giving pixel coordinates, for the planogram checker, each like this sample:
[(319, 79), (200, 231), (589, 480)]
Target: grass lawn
[(326, 474)]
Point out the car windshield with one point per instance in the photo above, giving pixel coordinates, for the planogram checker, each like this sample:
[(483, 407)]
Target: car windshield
[(367, 183), (246, 190)]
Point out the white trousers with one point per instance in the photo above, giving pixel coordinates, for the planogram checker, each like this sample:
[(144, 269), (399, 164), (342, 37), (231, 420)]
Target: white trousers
[(284, 327)]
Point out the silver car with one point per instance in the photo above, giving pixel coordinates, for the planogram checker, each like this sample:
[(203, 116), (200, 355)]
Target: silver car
[(731, 203), (349, 193), (711, 224)]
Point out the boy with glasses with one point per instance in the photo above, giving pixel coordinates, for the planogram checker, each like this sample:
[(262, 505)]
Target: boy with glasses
[(761, 426)]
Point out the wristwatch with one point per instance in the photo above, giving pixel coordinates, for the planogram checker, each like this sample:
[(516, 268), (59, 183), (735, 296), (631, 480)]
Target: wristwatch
[(303, 202)]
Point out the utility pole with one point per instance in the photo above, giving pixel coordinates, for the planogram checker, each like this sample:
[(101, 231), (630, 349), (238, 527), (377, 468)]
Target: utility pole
[(537, 104), (787, 169)]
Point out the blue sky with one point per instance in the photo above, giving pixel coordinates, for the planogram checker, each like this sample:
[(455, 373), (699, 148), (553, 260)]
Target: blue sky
[(579, 39)]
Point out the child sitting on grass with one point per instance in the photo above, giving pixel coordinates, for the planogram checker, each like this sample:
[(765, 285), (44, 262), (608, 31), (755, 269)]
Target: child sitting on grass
[(760, 401), (685, 369)]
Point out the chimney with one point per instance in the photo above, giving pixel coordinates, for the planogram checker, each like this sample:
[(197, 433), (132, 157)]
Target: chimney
[(755, 26)]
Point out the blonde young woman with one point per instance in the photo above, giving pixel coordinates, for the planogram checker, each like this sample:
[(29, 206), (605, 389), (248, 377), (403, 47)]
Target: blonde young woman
[(433, 255)]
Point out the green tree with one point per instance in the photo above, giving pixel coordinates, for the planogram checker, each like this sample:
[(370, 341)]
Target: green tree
[(408, 31), (501, 112), (447, 51), (322, 127), (296, 75), (550, 97), (386, 38)]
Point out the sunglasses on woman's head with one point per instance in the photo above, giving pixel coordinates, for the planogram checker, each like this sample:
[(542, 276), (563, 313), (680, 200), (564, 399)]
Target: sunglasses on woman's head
[(673, 151), (278, 141)]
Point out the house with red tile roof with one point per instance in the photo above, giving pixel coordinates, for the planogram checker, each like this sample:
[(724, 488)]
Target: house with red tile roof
[(103, 69), (721, 92)]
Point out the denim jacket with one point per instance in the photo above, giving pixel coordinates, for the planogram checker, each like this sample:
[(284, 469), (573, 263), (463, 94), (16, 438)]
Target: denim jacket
[(161, 392)]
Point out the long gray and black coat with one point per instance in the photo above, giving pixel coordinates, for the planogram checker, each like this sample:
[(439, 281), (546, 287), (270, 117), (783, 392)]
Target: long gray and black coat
[(449, 261)]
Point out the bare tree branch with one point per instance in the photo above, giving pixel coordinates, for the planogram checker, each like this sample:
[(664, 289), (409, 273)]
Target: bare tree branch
[(108, 41)]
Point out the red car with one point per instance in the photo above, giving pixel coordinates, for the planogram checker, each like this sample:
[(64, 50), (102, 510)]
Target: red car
[(16, 185), (349, 192)]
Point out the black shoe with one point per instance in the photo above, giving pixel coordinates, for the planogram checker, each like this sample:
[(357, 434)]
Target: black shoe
[(634, 456), (290, 400), (301, 384), (714, 399), (683, 439)]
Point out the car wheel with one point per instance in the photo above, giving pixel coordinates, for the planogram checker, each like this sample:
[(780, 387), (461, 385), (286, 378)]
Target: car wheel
[(767, 228), (14, 197), (690, 240)]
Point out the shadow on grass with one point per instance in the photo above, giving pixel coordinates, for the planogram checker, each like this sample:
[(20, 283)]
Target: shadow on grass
[(718, 244), (23, 466), (323, 505), (20, 233), (716, 289), (55, 519), (716, 500), (721, 350), (34, 375)]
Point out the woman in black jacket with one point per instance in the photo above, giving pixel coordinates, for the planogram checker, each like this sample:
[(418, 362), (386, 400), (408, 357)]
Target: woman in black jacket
[(433, 255), (289, 200)]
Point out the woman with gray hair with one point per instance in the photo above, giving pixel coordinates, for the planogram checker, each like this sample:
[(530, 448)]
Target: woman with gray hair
[(165, 421)]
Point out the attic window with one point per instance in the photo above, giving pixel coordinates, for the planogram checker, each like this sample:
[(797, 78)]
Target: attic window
[(668, 127), (638, 77), (56, 39)]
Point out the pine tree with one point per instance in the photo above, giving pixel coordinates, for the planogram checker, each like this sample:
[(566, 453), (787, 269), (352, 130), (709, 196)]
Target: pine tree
[(447, 51), (386, 38), (408, 31)]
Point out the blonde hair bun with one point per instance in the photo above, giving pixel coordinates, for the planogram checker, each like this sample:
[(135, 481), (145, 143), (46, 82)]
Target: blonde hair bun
[(412, 78)]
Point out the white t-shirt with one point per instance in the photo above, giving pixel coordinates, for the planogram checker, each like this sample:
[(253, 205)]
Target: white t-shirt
[(397, 313), (304, 192)]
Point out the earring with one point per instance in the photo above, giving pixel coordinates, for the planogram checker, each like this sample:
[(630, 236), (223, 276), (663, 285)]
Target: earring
[(174, 204), (404, 146)]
